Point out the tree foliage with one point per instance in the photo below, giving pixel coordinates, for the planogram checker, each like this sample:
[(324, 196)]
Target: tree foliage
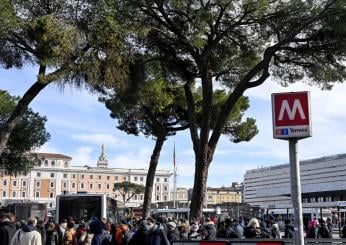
[(63, 39), (128, 189), (29, 134), (237, 44)]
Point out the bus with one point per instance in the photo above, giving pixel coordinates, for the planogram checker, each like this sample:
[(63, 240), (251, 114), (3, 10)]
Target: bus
[(308, 214), (25, 210), (85, 207), (182, 212)]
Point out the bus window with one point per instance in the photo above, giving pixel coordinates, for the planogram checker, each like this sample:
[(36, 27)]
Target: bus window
[(79, 207), (111, 208)]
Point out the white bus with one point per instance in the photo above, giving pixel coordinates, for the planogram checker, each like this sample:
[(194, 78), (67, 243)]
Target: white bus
[(308, 214), (182, 212), (85, 207)]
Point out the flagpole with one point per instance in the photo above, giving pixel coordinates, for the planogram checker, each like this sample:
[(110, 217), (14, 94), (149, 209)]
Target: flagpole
[(175, 180)]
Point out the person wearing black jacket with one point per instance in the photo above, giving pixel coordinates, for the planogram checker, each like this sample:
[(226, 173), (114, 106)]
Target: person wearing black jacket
[(289, 229), (52, 237), (7, 229), (172, 232)]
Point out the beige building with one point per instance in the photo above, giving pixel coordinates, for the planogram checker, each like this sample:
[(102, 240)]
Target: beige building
[(54, 175), (181, 195), (223, 195)]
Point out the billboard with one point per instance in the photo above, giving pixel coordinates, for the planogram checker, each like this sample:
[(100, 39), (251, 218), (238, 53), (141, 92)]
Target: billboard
[(291, 115)]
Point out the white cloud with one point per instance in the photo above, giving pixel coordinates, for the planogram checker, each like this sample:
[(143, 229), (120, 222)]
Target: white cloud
[(47, 148), (98, 139), (138, 158), (83, 156)]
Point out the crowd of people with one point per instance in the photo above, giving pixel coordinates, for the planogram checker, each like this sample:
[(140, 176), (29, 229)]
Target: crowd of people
[(150, 231)]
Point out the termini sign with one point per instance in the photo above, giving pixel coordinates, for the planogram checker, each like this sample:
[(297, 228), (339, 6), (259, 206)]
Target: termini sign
[(291, 115)]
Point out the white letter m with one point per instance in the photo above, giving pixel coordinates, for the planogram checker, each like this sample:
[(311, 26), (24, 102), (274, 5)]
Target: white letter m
[(291, 113)]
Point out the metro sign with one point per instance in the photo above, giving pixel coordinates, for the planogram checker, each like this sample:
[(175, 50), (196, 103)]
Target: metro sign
[(291, 115)]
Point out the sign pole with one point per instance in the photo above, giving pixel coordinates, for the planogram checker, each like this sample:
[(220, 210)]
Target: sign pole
[(292, 121), (296, 193)]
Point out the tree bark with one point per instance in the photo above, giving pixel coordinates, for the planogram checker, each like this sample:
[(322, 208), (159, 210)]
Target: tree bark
[(20, 109), (199, 191), (149, 183)]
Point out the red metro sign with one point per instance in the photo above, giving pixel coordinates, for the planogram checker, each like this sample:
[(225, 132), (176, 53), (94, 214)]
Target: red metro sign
[(291, 115)]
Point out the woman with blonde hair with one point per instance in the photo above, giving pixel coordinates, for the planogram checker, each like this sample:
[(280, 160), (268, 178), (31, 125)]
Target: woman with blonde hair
[(253, 229)]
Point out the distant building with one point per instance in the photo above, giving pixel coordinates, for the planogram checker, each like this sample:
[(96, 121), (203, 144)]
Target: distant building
[(181, 195), (53, 175), (223, 195), (322, 180)]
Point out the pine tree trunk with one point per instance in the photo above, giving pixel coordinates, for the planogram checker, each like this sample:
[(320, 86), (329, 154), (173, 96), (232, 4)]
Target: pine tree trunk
[(20, 109), (154, 160), (199, 190)]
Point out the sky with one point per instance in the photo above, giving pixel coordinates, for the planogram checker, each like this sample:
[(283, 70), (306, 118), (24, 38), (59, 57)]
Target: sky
[(79, 124)]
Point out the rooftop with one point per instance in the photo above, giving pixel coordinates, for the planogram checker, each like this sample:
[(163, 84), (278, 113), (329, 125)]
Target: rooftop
[(52, 155), (305, 162)]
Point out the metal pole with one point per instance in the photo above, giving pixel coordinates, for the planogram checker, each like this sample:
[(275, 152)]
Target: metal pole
[(175, 187), (296, 194)]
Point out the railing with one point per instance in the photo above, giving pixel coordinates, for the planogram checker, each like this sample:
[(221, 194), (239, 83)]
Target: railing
[(260, 242)]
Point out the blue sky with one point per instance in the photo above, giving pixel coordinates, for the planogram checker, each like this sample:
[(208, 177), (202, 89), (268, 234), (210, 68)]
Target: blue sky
[(79, 124)]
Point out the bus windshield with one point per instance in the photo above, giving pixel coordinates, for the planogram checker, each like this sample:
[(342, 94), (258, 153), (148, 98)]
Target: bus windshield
[(79, 207)]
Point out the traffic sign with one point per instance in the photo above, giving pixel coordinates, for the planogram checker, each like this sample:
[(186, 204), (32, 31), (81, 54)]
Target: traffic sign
[(291, 115)]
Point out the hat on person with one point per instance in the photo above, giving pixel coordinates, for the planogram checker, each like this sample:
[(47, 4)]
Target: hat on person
[(172, 224)]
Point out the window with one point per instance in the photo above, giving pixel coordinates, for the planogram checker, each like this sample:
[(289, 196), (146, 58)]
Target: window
[(46, 163), (4, 182), (73, 185), (135, 197), (4, 194), (124, 177), (65, 176), (51, 195), (52, 175), (100, 186), (91, 186), (91, 177), (158, 188), (14, 194), (116, 177), (157, 198), (38, 174), (141, 178), (37, 194), (165, 198), (14, 183), (65, 164), (38, 184), (166, 180), (51, 184), (82, 185), (73, 176), (100, 177), (82, 176), (136, 178), (166, 188), (157, 179), (108, 177), (53, 163), (141, 197), (23, 194), (107, 186), (64, 185)]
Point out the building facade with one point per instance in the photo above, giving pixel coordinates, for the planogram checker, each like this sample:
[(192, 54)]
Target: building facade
[(54, 175), (323, 184), (223, 195)]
